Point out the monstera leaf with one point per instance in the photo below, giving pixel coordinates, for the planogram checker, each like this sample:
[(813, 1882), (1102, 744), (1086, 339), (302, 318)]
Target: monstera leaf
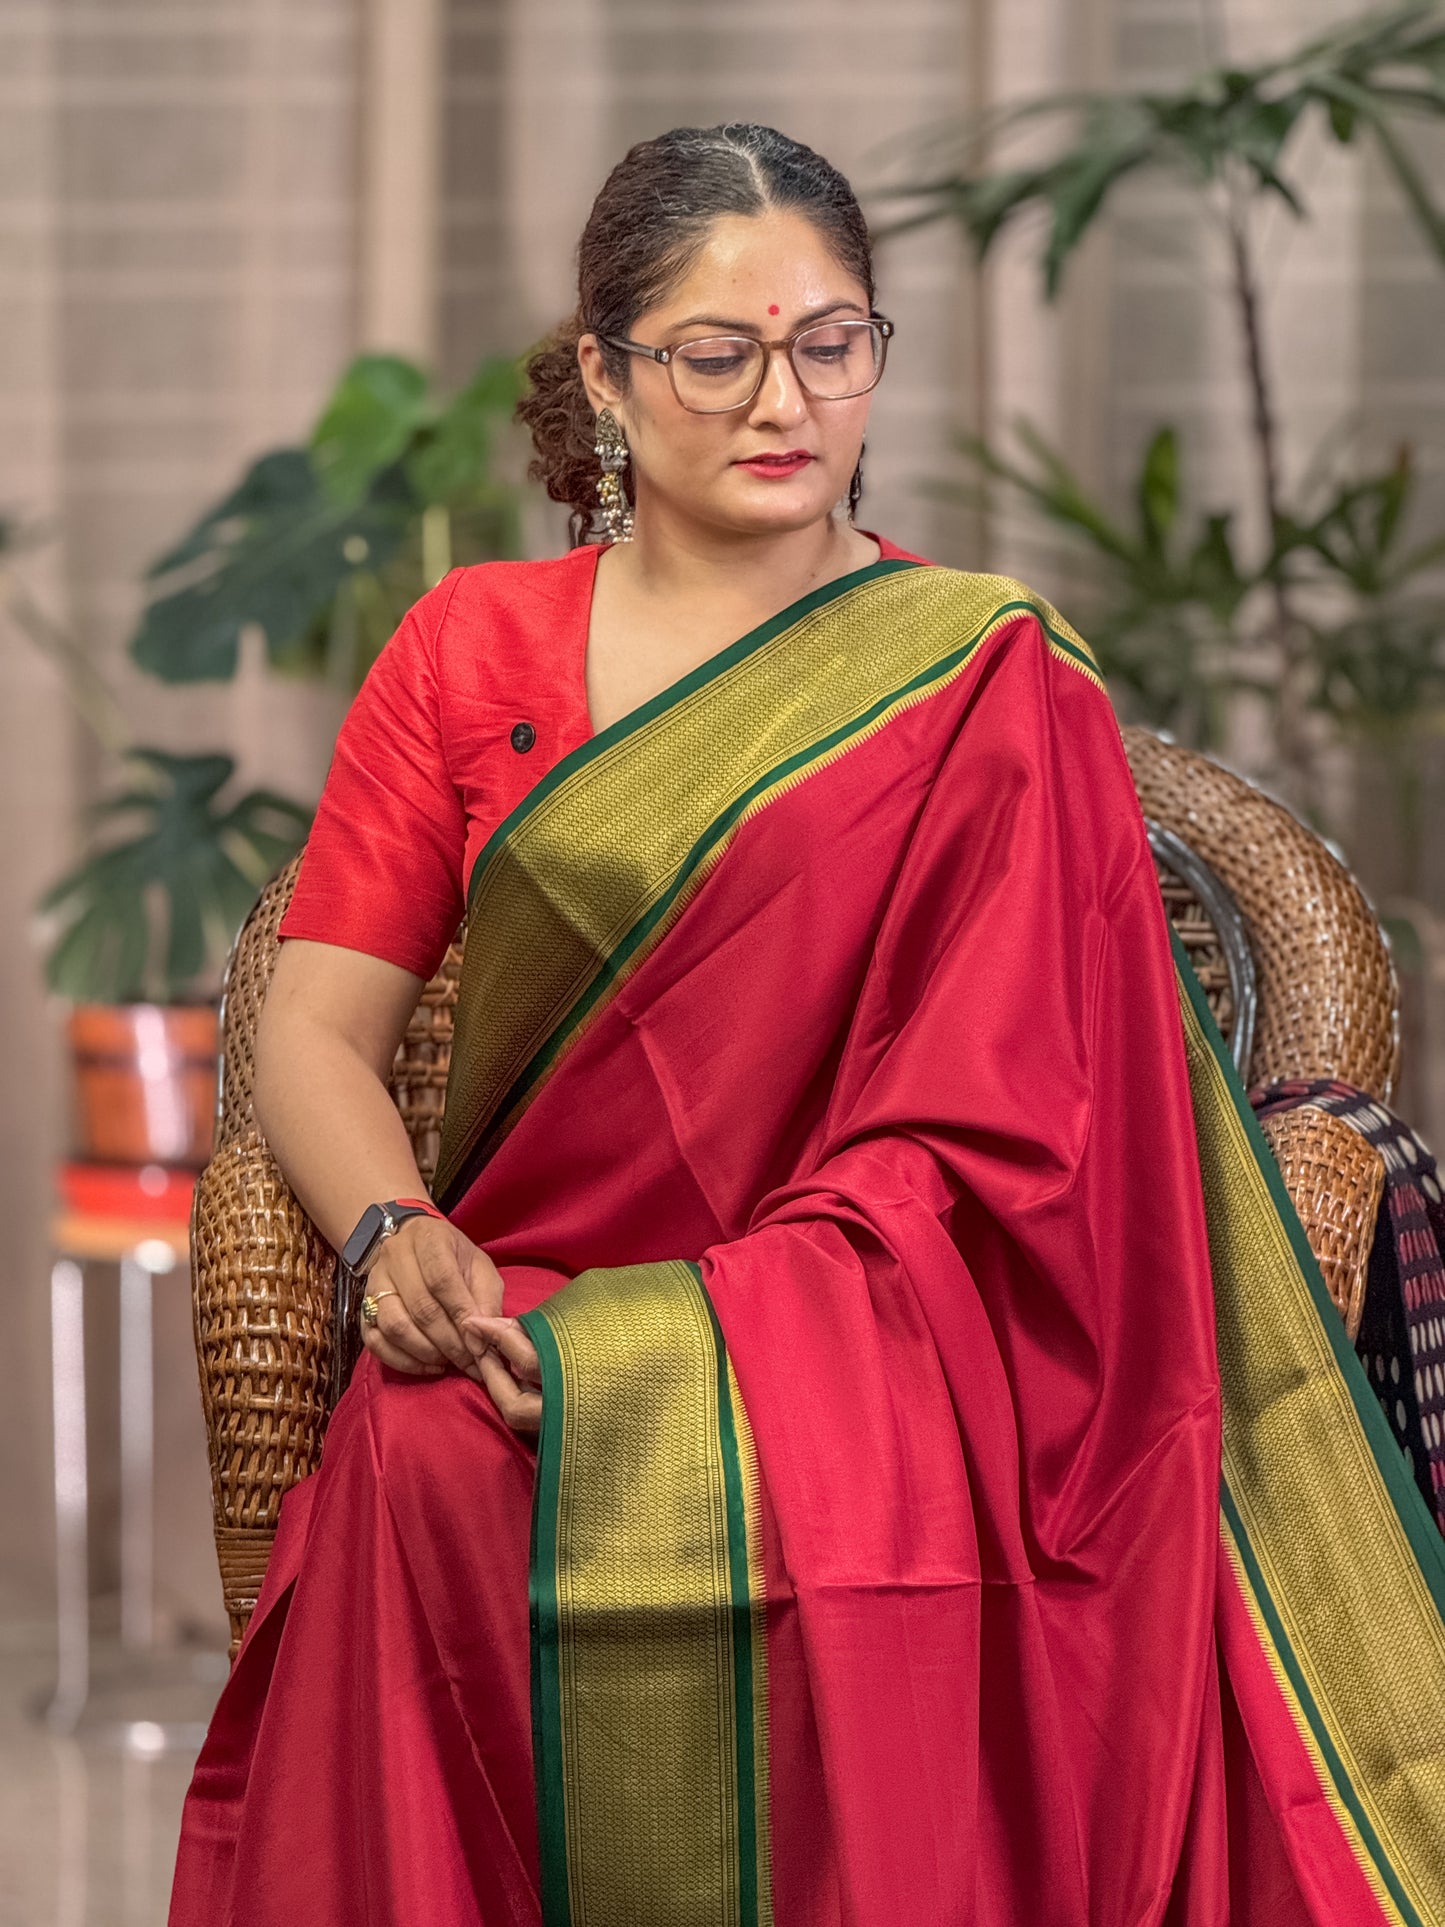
[(274, 554), (149, 912), (322, 548)]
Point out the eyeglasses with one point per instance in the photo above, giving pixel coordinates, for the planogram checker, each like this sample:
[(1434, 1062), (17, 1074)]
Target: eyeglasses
[(833, 361)]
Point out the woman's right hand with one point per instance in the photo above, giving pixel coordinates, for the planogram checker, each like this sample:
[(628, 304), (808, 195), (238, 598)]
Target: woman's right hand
[(428, 1277)]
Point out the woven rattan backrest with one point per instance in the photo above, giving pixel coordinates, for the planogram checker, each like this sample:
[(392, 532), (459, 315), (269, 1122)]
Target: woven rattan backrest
[(1329, 1002)]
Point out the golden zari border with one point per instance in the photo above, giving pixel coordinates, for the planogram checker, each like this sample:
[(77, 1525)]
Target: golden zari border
[(648, 1662), (1341, 1569), (596, 862)]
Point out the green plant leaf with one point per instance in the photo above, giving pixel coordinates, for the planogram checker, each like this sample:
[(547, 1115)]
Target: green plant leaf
[(1077, 187), (147, 912), (1408, 177), (450, 463), (1159, 491), (368, 424), (1394, 496), (273, 555), (326, 566), (1223, 121)]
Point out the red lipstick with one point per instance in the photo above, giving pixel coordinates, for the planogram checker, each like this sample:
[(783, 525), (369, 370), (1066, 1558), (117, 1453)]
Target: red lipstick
[(775, 467)]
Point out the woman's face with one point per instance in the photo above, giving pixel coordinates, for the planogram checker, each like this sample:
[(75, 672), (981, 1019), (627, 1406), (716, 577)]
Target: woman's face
[(764, 276)]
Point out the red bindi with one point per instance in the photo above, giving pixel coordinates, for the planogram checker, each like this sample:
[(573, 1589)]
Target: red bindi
[(774, 308)]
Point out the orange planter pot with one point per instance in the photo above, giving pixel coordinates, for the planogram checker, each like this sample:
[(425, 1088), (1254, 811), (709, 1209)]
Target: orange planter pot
[(145, 1082)]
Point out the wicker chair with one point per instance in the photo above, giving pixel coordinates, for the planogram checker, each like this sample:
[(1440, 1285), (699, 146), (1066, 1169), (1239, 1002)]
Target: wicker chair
[(1293, 963)]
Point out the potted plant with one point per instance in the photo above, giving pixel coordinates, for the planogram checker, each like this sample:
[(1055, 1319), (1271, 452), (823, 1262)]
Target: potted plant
[(135, 927), (142, 921), (320, 548)]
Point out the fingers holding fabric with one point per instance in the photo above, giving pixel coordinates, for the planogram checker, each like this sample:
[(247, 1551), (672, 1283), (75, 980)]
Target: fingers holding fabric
[(419, 1285), (436, 1301), (510, 1370), (456, 1278), (393, 1338)]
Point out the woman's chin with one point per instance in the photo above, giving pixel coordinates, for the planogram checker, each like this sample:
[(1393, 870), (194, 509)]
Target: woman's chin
[(775, 508)]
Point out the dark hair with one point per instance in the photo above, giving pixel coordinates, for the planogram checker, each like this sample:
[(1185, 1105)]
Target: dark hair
[(646, 227)]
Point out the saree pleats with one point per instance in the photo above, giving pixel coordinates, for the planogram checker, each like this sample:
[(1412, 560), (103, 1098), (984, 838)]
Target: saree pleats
[(369, 1760)]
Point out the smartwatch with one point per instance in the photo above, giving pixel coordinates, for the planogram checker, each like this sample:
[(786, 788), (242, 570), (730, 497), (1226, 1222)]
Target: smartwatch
[(377, 1223)]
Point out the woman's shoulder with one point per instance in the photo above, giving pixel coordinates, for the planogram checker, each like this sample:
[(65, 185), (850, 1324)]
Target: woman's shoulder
[(891, 551), (493, 611), (504, 633), (498, 590)]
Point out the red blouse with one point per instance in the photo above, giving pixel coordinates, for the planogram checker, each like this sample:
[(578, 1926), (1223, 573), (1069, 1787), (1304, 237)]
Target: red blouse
[(478, 694)]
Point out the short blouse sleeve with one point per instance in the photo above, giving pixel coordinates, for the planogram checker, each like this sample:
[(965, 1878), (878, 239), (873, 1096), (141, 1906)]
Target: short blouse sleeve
[(382, 869)]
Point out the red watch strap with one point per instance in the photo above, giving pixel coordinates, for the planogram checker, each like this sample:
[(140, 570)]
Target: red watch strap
[(422, 1204)]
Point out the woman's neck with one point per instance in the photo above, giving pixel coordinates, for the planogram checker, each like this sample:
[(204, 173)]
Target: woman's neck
[(692, 565), (661, 607)]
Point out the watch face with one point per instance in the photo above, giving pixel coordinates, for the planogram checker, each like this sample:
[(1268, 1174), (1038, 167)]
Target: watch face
[(362, 1242)]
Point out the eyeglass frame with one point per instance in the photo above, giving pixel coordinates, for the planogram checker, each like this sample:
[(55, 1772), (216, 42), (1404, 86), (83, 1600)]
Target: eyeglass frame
[(664, 356)]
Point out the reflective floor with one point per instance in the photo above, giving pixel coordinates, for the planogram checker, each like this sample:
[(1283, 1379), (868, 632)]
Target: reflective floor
[(88, 1824)]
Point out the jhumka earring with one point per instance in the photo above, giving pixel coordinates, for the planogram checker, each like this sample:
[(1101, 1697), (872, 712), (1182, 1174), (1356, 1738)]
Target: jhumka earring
[(611, 451)]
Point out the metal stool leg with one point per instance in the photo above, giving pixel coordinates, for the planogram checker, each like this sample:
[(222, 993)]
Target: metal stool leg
[(72, 1564), (137, 1455)]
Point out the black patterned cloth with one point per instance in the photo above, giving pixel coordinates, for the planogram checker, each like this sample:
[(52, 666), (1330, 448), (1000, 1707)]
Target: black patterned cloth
[(1401, 1341)]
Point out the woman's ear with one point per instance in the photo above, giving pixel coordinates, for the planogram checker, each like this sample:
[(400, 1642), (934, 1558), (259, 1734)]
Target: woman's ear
[(602, 391)]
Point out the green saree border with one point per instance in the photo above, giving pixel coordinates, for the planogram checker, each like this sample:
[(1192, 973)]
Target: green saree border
[(741, 1531), (1388, 1799), (481, 1107), (542, 1613), (1304, 1709), (621, 1404)]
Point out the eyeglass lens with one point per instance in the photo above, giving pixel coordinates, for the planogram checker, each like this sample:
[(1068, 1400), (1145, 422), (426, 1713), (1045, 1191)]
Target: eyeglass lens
[(832, 361)]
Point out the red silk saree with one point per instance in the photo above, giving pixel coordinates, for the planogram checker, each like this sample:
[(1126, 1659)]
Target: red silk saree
[(956, 1501)]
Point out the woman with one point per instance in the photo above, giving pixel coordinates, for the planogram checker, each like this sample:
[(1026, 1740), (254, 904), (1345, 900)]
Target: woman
[(820, 1176)]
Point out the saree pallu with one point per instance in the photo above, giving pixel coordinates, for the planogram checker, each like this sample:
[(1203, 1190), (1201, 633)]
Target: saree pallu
[(910, 1281)]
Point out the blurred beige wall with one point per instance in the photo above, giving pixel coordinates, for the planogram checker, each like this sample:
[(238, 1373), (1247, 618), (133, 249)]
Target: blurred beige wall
[(206, 206), (178, 216)]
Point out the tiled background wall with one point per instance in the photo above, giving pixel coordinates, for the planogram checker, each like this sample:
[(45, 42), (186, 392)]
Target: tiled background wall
[(178, 206), (207, 205)]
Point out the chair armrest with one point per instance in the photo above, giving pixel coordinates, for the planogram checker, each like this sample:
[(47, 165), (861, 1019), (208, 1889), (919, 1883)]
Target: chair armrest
[(1335, 1180), (262, 1284)]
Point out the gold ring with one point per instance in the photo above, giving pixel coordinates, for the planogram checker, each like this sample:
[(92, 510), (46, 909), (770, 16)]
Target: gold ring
[(369, 1304)]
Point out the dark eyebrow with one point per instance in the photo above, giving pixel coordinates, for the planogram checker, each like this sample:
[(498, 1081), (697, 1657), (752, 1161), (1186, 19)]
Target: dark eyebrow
[(736, 327)]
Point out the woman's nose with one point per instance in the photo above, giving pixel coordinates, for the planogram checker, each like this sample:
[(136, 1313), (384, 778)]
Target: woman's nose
[(781, 397)]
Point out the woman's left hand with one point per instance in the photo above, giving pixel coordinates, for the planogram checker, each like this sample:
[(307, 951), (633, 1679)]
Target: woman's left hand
[(510, 1370)]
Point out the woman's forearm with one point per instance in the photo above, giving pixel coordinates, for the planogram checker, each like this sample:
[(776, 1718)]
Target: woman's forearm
[(332, 1126), (325, 1044)]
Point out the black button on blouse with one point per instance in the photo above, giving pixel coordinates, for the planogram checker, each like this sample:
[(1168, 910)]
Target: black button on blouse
[(523, 736)]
